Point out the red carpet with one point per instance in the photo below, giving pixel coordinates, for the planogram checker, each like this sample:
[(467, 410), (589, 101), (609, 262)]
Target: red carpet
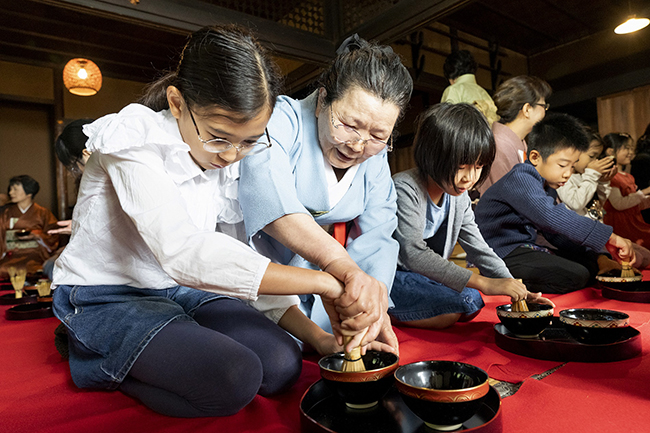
[(37, 394)]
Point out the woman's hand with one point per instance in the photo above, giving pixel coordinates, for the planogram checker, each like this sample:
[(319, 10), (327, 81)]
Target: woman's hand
[(364, 301), (65, 228)]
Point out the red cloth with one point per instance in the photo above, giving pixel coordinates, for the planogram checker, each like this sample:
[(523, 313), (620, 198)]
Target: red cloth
[(37, 394), (627, 223)]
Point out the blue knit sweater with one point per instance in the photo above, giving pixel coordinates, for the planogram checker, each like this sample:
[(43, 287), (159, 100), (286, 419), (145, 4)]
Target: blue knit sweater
[(517, 207)]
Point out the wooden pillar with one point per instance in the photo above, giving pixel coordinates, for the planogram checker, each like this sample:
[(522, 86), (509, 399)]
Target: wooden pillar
[(61, 172)]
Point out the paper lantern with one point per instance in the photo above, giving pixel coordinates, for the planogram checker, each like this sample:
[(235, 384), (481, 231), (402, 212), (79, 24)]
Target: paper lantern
[(82, 77)]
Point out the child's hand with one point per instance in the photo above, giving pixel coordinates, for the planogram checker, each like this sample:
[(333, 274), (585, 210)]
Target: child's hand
[(326, 344), (601, 165), (499, 286), (537, 298), (621, 249), (608, 175)]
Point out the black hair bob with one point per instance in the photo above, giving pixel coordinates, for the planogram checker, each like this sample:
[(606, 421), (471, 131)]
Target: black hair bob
[(451, 135)]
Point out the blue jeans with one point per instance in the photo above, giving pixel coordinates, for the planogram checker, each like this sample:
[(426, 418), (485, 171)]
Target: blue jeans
[(417, 297), (109, 326)]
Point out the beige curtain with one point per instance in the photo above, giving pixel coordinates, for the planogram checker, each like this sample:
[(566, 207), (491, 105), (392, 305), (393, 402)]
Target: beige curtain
[(625, 112)]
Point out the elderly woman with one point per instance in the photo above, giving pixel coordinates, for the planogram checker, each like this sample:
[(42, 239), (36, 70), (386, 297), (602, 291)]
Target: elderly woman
[(24, 242), (328, 171), (521, 103)]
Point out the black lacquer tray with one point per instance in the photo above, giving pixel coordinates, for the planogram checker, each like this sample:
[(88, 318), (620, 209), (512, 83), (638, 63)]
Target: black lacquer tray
[(638, 291), (10, 298), (322, 411), (555, 344), (35, 310)]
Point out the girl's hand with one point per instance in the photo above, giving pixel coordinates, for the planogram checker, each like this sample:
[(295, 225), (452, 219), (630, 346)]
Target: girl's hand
[(601, 165), (499, 286), (537, 298), (65, 228), (609, 174)]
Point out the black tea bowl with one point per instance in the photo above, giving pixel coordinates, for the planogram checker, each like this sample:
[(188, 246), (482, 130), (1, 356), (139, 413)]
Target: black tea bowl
[(444, 394), (594, 325), (526, 324), (360, 389)]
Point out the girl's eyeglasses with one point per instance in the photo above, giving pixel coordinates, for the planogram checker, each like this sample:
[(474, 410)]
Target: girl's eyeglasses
[(218, 145)]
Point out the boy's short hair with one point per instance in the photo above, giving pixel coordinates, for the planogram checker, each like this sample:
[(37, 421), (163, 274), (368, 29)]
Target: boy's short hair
[(557, 131), (459, 63), (451, 135)]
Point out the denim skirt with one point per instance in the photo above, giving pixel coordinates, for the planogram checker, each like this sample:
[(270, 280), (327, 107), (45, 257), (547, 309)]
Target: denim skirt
[(416, 297), (109, 326)]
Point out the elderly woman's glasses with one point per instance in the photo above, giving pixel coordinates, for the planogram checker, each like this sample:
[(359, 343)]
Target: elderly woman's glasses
[(218, 145), (348, 135)]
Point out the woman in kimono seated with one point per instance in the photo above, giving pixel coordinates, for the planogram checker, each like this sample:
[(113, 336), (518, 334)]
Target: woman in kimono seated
[(24, 242), (329, 165)]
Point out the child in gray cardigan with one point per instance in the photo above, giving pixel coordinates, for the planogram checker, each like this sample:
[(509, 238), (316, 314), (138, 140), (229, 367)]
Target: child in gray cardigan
[(454, 149)]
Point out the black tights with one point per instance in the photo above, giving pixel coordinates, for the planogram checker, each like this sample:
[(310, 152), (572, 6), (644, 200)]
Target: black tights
[(216, 366)]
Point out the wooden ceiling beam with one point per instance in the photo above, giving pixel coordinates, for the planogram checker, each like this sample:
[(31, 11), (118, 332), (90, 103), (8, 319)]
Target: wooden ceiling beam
[(405, 17), (190, 16)]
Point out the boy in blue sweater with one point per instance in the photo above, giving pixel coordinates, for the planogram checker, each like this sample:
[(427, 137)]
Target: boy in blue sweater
[(523, 204)]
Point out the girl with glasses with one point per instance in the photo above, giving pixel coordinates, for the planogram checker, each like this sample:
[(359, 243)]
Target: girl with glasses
[(521, 103), (155, 301), (328, 171)]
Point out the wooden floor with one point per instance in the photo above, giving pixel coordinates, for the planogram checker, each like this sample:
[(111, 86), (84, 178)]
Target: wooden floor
[(460, 261)]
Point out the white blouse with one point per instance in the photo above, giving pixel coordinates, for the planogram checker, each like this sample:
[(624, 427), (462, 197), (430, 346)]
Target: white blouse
[(146, 213)]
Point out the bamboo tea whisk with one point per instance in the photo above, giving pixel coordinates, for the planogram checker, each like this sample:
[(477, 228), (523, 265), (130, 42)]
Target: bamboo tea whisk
[(626, 270), (352, 360), (520, 305)]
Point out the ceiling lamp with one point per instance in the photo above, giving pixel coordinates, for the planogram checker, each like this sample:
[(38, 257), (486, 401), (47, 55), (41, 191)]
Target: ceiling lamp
[(631, 25), (82, 77)]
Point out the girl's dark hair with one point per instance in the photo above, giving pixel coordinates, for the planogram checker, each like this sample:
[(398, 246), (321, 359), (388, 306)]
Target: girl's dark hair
[(29, 184), (459, 63), (557, 131), (511, 96), (451, 135), (69, 146), (643, 143), (377, 69), (594, 136), (616, 140), (222, 66)]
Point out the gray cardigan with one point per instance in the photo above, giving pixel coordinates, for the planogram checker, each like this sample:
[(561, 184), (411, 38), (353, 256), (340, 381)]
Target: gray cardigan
[(414, 252)]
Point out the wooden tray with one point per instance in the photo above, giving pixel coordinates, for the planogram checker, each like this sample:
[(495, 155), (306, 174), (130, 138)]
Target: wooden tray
[(322, 411), (628, 292), (555, 344)]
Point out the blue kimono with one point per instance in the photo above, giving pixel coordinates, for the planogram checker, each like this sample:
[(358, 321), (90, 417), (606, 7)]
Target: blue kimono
[(290, 178)]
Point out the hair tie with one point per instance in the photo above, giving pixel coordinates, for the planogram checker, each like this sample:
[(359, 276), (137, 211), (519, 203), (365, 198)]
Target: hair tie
[(351, 43)]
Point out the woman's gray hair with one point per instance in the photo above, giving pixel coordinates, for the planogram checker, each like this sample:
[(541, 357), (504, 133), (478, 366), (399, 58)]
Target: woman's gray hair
[(374, 68)]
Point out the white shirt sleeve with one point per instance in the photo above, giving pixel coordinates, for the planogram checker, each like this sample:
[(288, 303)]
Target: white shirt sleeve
[(579, 190), (196, 258)]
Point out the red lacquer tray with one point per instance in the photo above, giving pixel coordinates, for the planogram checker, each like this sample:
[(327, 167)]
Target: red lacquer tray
[(322, 411), (555, 344)]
